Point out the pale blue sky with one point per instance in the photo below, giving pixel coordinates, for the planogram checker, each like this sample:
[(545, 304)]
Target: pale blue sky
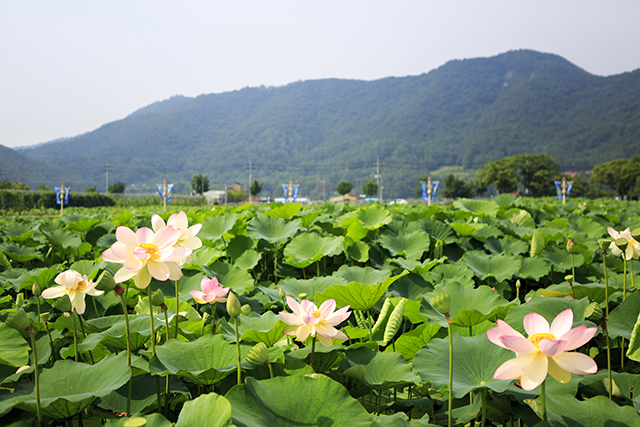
[(68, 67)]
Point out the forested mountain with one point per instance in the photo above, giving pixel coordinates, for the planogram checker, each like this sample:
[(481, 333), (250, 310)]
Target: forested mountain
[(466, 112), (15, 166)]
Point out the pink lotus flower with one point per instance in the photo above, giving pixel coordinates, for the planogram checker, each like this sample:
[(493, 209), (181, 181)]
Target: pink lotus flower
[(544, 350), (187, 237), (74, 285), (307, 319), (145, 254), (633, 248), (211, 293)]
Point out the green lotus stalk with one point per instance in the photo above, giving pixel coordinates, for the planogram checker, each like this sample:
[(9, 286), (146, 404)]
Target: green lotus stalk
[(120, 291), (234, 310), (543, 397), (484, 406), (313, 350), (166, 387), (75, 337), (177, 309), (36, 292), (36, 373), (604, 321), (450, 331), (153, 345), (235, 320), (84, 335), (213, 313)]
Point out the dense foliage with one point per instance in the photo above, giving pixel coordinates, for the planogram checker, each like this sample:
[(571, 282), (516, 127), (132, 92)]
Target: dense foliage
[(497, 260), (467, 112), (531, 174), (200, 183)]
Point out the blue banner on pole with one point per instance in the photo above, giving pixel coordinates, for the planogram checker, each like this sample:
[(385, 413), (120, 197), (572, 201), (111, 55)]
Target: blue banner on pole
[(559, 189), (285, 189), (169, 192), (296, 188), (160, 193), (66, 195), (569, 185), (423, 185), (434, 189)]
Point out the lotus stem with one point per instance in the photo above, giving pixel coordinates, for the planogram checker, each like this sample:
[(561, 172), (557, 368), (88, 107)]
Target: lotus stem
[(84, 335), (235, 320), (53, 353), (125, 310), (177, 310), (213, 313), (544, 398), (606, 334), (624, 278), (153, 334), (75, 336), (484, 406), (450, 415), (270, 369), (633, 282), (36, 374), (313, 350), (95, 307), (606, 284)]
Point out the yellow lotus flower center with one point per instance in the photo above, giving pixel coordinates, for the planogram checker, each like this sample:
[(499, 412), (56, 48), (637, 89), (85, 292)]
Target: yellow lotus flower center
[(317, 313), (536, 338), (81, 286), (151, 249)]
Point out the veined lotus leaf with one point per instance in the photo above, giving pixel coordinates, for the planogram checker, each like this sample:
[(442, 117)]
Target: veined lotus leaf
[(366, 275), (478, 207), (62, 239), (214, 227), (465, 229), (377, 370), (505, 199), (560, 259), (408, 245), (83, 225), (239, 245), (502, 267), (266, 328), (469, 307), (149, 420), (438, 230), (69, 387), (19, 253), (286, 211), (558, 224), (211, 410), (274, 230), (17, 232), (308, 219), (239, 280), (418, 267), (548, 308), (633, 352), (533, 268), (204, 361), (205, 256), (87, 268), (475, 362), (519, 217), (591, 228), (307, 248), (356, 250), (564, 409), (357, 295), (295, 287), (325, 402), (410, 342), (115, 336), (459, 273), (622, 319), (412, 286), (356, 230), (508, 246), (14, 350), (248, 260), (373, 217), (487, 232)]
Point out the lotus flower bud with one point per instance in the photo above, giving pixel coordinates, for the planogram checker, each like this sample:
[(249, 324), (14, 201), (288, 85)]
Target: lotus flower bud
[(63, 304), (258, 355), (19, 300), (118, 290), (622, 244), (233, 305), (281, 293), (442, 303), (246, 309), (518, 285), (36, 290), (157, 298), (593, 312), (571, 246), (302, 295)]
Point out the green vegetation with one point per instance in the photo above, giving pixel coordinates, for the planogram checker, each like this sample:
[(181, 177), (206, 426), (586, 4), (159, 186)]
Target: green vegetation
[(370, 188), (622, 176), (200, 183), (534, 173), (255, 188), (455, 188), (117, 188), (343, 187)]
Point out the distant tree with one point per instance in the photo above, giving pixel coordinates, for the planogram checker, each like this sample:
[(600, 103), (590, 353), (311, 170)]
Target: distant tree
[(200, 183), (255, 188), (93, 190), (236, 196), (117, 187), (537, 172), (5, 184), (43, 187), (370, 188), (620, 175), (455, 187), (344, 187), (499, 173)]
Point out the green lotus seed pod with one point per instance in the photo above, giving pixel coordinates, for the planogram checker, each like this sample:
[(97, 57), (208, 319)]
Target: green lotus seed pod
[(246, 309), (437, 250), (568, 278), (258, 355), (105, 282), (593, 312), (233, 305), (636, 234), (19, 300), (302, 295), (157, 298), (281, 293), (604, 243), (45, 317), (442, 302)]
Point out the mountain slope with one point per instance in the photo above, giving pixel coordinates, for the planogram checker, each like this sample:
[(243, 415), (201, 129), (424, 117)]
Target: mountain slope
[(466, 112)]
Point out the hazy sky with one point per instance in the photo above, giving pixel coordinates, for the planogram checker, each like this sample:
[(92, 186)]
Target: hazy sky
[(68, 67)]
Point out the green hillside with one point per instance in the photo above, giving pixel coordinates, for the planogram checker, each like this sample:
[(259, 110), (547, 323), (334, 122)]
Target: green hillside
[(464, 113), (15, 166)]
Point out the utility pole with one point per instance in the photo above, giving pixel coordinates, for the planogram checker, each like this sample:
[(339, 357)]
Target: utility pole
[(107, 169), (323, 197), (378, 177)]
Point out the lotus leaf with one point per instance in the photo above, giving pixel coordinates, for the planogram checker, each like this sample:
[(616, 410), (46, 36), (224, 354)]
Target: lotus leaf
[(478, 207), (274, 230), (502, 267), (409, 245), (357, 295), (373, 217), (286, 211), (366, 275), (211, 410), (307, 248), (240, 281), (410, 342), (533, 268), (214, 227), (377, 370)]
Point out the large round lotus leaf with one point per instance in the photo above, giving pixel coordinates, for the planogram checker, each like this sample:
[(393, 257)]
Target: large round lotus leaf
[(17, 232), (508, 246), (377, 370), (14, 350), (19, 253), (622, 319), (459, 273), (143, 394), (307, 248), (357, 251), (373, 217), (466, 228), (410, 342), (210, 410), (438, 230), (591, 228), (366, 275), (502, 267), (286, 211), (62, 239), (560, 259), (150, 420), (204, 361), (475, 360), (566, 410), (357, 295), (412, 286), (469, 307), (519, 217), (478, 207), (266, 328), (69, 387), (115, 336), (505, 199), (533, 268), (408, 245), (240, 281), (548, 308), (273, 230), (295, 287), (214, 227), (418, 267), (310, 401)]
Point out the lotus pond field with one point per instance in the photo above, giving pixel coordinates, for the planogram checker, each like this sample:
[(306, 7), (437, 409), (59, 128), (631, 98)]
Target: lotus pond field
[(509, 311)]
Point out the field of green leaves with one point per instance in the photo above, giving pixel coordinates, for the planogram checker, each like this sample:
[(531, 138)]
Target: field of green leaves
[(331, 315)]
